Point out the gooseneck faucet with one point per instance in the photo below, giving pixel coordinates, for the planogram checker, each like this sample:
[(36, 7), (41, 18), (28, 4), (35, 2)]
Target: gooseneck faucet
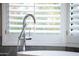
[(22, 37)]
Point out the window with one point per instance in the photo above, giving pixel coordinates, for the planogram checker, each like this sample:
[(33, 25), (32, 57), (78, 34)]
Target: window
[(48, 17), (49, 29)]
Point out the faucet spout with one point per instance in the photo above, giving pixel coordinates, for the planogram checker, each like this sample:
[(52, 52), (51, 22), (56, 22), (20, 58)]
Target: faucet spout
[(24, 23), (28, 16), (22, 34)]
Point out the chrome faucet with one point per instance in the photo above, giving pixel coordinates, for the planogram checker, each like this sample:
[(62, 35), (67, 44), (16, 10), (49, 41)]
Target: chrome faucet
[(22, 38)]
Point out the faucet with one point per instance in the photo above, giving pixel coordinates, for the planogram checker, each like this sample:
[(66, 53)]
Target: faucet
[(22, 36)]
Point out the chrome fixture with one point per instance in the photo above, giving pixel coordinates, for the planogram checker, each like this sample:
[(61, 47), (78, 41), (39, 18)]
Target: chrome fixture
[(22, 38)]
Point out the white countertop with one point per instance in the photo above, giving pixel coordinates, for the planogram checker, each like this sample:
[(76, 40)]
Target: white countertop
[(47, 53)]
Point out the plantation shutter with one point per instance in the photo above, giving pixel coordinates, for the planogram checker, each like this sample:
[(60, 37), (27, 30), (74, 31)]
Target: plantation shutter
[(74, 19), (73, 40), (47, 15)]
